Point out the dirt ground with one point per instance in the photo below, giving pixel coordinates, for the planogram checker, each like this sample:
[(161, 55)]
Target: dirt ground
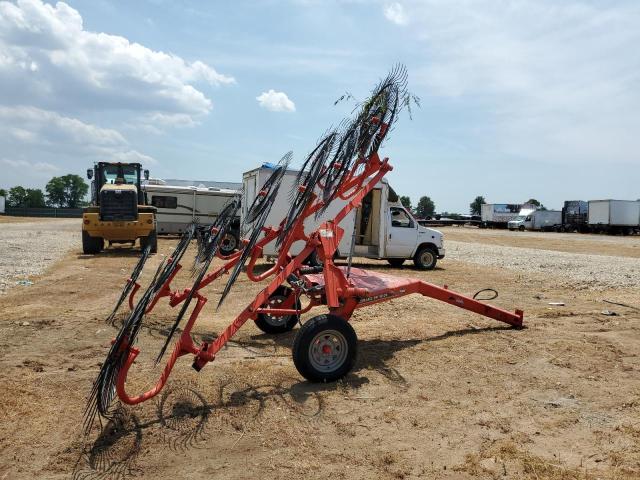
[(437, 392)]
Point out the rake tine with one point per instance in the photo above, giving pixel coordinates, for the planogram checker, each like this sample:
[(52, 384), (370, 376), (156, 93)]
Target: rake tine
[(222, 223), (271, 187)]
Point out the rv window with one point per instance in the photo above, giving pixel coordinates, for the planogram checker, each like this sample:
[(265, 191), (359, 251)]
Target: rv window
[(164, 202)]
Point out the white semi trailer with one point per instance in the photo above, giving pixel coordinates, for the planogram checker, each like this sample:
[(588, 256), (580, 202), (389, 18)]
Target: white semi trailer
[(498, 215), (384, 229), (614, 216)]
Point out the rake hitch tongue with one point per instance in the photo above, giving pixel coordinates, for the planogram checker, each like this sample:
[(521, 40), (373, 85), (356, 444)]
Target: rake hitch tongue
[(343, 165)]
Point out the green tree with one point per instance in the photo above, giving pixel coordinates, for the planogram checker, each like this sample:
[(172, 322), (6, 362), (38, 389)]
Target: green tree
[(475, 207), (406, 202), (536, 203), (425, 207), (66, 191), (35, 198), (17, 197), (3, 192)]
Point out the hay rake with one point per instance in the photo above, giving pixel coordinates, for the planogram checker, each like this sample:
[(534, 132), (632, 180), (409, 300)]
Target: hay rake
[(345, 164)]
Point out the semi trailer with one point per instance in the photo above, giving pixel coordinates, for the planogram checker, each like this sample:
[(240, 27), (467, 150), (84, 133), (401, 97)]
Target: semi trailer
[(614, 216), (498, 215)]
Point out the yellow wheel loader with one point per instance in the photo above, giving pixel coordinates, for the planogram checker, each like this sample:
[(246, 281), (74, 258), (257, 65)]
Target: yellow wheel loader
[(118, 211)]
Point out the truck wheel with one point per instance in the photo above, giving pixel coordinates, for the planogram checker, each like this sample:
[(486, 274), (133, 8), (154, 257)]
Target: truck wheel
[(278, 324), (229, 243), (521, 228), (91, 244), (151, 239), (395, 262), (325, 348), (425, 258)]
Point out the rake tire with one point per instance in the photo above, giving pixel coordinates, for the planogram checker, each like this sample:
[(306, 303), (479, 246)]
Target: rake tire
[(325, 349), (266, 322)]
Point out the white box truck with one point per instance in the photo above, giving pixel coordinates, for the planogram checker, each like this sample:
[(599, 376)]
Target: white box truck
[(545, 220), (614, 216), (498, 215), (384, 229), (524, 215), (2, 203)]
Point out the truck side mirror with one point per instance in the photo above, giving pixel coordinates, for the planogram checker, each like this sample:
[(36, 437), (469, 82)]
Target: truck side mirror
[(146, 174), (89, 173)]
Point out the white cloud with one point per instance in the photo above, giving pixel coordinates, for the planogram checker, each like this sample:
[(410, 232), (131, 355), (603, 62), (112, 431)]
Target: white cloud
[(548, 81), (38, 167), (72, 68), (34, 133), (395, 13), (276, 101)]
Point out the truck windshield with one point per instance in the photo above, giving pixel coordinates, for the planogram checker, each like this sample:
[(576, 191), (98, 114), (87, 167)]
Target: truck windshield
[(128, 174)]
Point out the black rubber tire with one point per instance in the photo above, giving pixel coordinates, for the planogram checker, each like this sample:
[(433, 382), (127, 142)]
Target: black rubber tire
[(425, 258), (91, 245), (521, 228), (229, 243), (151, 239), (313, 260), (302, 346), (396, 262), (264, 323)]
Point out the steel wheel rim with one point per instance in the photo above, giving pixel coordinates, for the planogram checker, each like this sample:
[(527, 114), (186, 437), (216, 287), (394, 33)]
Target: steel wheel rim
[(426, 257), (228, 242), (276, 301), (328, 351)]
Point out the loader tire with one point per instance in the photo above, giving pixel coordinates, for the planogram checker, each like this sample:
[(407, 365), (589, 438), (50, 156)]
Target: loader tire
[(91, 245), (151, 239)]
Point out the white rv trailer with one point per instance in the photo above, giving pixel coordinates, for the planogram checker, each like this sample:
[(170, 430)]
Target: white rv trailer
[(385, 229), (178, 206)]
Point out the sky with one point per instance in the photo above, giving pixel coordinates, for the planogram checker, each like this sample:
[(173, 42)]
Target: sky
[(518, 98)]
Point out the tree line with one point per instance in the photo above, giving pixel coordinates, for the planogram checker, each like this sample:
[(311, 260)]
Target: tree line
[(426, 207), (67, 191)]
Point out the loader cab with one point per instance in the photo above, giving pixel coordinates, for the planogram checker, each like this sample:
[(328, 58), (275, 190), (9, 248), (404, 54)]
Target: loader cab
[(105, 173)]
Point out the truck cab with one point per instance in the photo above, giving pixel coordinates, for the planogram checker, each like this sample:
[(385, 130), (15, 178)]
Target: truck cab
[(118, 211), (407, 239)]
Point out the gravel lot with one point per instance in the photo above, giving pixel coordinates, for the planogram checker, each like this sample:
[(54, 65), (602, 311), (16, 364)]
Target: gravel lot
[(578, 270), (28, 248)]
